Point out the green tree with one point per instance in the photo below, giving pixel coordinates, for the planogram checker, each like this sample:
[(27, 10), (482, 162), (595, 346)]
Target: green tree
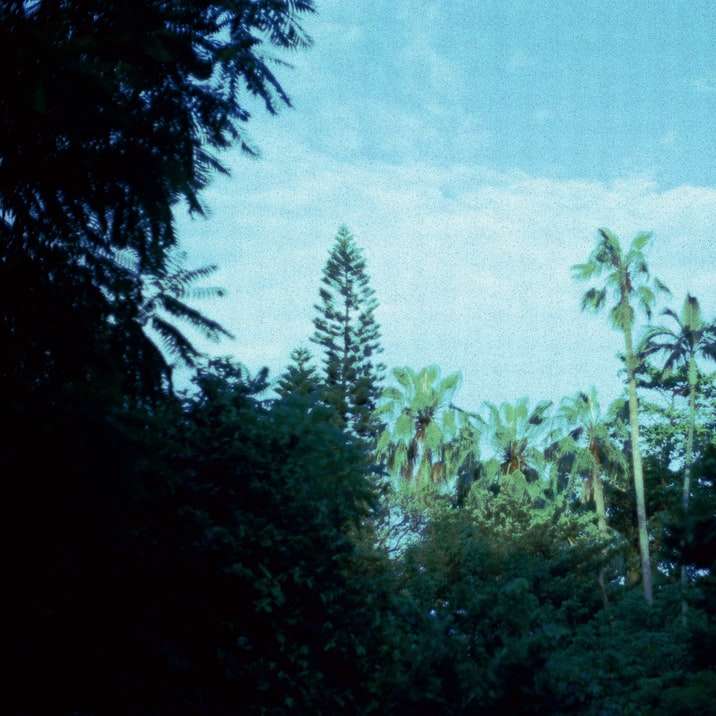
[(517, 436), (300, 378), (627, 280), (593, 452), (349, 335), (692, 338), (427, 439), (591, 447)]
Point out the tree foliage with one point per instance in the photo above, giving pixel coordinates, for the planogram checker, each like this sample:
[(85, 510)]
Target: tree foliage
[(349, 337)]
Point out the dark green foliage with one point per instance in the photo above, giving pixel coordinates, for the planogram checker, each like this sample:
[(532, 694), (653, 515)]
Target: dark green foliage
[(200, 555), (300, 378), (349, 335), (107, 120), (492, 610), (121, 105)]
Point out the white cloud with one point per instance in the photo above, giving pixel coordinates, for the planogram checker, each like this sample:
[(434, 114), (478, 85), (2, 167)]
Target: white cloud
[(703, 85), (471, 266)]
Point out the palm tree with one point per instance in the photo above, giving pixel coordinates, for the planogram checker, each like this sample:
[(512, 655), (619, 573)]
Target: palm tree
[(627, 279), (590, 446), (516, 435), (426, 438), (692, 337)]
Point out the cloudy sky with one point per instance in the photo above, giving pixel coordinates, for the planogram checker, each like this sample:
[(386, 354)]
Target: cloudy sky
[(473, 148)]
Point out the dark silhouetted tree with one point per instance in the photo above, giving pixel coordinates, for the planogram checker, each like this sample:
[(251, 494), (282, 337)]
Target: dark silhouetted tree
[(300, 378), (347, 331)]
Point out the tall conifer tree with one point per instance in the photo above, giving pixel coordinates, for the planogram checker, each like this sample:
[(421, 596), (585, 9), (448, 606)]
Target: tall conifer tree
[(349, 335), (300, 378)]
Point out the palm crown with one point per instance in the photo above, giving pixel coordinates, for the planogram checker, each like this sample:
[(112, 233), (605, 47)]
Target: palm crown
[(627, 278), (427, 438), (516, 433), (588, 441), (691, 337)]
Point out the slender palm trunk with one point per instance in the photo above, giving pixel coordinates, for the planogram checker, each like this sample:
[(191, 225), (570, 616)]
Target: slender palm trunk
[(687, 484), (638, 473), (598, 489)]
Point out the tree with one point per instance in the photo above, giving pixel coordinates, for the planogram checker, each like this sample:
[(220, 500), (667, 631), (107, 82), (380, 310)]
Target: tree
[(300, 378), (109, 118), (692, 338), (590, 446), (349, 335), (627, 279), (113, 109), (592, 451), (516, 433), (426, 439), (167, 293)]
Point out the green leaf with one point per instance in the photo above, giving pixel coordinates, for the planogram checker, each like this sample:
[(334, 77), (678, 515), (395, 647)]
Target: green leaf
[(661, 286), (594, 299), (583, 272), (433, 436), (391, 394), (404, 426), (403, 376), (449, 383), (646, 296), (449, 421), (383, 441), (640, 241), (691, 313)]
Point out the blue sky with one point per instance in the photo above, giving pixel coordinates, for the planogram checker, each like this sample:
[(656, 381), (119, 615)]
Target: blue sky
[(473, 148)]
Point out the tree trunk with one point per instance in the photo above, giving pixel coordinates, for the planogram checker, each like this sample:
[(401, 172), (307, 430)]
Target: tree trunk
[(687, 480), (598, 490), (638, 472)]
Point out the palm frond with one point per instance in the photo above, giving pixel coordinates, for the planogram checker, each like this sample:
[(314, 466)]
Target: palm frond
[(210, 328), (691, 313), (175, 342), (583, 272), (661, 287), (594, 299)]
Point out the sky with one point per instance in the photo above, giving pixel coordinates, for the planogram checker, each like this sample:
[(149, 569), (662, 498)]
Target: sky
[(473, 149)]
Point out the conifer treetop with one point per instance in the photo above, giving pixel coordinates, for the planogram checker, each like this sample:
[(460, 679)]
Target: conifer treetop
[(346, 330)]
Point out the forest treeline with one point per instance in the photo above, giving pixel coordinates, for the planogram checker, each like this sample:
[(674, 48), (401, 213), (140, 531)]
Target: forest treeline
[(358, 543)]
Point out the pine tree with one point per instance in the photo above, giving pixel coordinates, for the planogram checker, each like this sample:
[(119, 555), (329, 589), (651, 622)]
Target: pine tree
[(300, 378), (347, 331)]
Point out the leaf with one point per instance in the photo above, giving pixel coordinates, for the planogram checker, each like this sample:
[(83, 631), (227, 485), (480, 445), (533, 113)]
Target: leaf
[(661, 287), (640, 241), (383, 441), (646, 296), (594, 299), (449, 383), (403, 376), (391, 394), (583, 272), (691, 313), (404, 426), (433, 436), (449, 421)]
